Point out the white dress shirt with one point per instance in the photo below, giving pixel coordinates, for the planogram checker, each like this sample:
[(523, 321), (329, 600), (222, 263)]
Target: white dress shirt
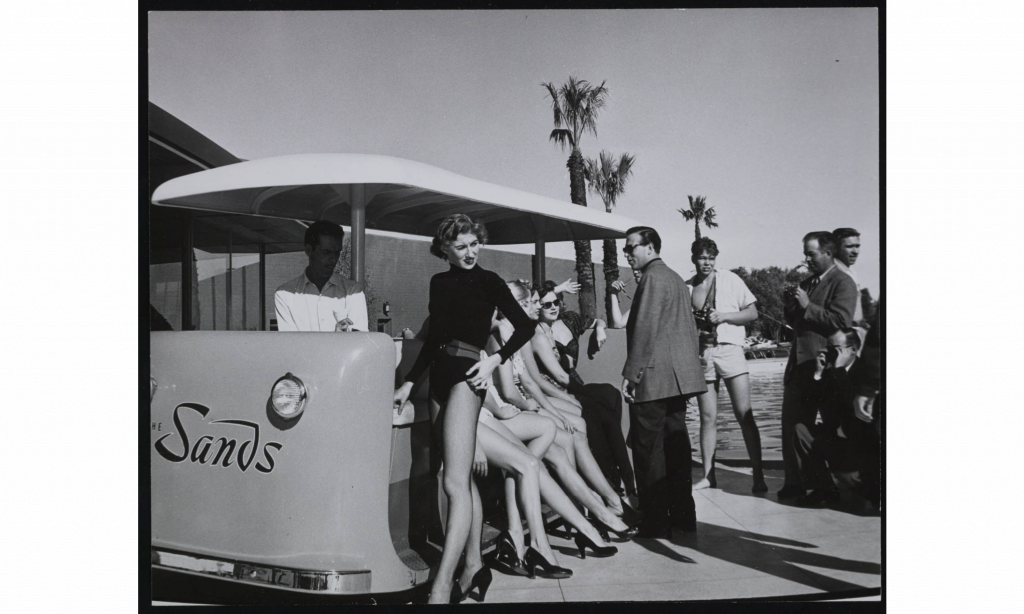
[(300, 306)]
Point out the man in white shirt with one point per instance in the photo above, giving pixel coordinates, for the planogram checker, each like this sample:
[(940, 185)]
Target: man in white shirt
[(722, 304), (321, 300), (847, 250)]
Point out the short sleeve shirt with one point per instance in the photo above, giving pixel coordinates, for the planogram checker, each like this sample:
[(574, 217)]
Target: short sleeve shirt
[(300, 306), (731, 295)]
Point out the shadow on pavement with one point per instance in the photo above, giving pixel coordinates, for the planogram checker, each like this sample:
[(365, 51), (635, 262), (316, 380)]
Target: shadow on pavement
[(772, 555)]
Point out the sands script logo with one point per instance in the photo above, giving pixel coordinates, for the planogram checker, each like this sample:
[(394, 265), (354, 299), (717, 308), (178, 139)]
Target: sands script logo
[(222, 451)]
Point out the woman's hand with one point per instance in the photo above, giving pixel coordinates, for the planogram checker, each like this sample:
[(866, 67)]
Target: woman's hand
[(564, 423), (618, 286), (479, 375), (402, 395), (602, 336), (479, 461), (532, 405), (567, 286)]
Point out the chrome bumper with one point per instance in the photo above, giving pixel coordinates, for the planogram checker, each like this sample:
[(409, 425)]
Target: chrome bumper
[(305, 580)]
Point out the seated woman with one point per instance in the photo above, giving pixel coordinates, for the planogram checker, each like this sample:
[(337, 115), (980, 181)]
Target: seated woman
[(517, 387), (526, 483), (556, 344)]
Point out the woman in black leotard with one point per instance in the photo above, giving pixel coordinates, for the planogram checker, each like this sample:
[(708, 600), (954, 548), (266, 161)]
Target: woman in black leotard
[(462, 302)]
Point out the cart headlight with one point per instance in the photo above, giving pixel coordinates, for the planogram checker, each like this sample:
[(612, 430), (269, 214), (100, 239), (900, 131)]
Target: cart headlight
[(288, 396)]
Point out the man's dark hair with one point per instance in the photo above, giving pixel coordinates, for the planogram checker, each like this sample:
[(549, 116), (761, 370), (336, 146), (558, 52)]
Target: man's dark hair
[(826, 242), (701, 245), (852, 338), (321, 229), (844, 233), (648, 235)]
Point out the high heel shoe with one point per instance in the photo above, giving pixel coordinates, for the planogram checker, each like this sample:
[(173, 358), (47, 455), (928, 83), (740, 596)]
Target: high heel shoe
[(583, 542), (537, 565), (506, 556), (626, 534), (629, 515), (481, 580), (561, 524)]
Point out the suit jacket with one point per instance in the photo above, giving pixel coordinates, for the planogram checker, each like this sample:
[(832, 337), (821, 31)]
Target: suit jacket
[(661, 338), (831, 309)]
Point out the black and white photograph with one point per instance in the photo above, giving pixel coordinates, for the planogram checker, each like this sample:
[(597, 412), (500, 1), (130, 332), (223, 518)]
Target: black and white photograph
[(515, 306)]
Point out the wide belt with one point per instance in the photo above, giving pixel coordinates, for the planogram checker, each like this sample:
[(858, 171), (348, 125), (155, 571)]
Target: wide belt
[(461, 349)]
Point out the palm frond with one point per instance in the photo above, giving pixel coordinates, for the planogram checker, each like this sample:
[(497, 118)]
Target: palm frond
[(624, 170), (562, 137), (555, 107), (687, 214)]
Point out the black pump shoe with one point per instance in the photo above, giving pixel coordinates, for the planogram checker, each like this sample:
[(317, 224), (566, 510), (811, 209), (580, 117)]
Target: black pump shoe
[(583, 542), (537, 565), (481, 579), (604, 530), (629, 515), (507, 558)]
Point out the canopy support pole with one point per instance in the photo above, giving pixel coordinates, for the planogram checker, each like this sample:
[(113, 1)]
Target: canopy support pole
[(358, 206), (263, 286), (539, 256)]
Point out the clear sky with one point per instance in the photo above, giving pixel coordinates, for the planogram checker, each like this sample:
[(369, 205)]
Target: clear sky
[(772, 114)]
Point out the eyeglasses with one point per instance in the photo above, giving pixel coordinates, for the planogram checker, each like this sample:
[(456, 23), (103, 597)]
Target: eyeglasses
[(550, 304), (628, 250)]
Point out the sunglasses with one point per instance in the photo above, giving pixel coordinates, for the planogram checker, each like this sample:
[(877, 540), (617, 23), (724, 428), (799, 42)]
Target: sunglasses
[(550, 304), (628, 250)]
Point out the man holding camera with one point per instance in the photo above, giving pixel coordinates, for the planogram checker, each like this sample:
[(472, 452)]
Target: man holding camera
[(833, 445), (816, 308)]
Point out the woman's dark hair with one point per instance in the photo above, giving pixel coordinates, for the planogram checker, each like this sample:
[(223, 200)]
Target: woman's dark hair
[(701, 245), (549, 286), (449, 230)]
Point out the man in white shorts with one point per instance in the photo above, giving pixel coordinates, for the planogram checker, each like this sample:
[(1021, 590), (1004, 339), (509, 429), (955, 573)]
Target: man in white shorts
[(722, 304)]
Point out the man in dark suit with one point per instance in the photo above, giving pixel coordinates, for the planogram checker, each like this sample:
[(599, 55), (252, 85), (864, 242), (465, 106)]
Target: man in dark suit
[(662, 370), (818, 307)]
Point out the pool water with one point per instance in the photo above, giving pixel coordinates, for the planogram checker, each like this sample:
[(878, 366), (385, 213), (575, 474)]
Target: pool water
[(766, 401)]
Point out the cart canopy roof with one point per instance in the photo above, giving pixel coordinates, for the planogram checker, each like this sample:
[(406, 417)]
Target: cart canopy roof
[(399, 196)]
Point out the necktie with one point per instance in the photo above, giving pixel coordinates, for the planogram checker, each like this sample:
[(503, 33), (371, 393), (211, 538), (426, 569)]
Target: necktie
[(813, 284)]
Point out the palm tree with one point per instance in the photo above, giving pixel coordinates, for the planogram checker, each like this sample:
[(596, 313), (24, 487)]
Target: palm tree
[(575, 106), (607, 179), (699, 212)]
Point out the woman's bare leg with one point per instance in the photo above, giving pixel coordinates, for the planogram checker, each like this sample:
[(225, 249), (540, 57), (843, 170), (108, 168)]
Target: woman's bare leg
[(566, 407), (474, 558), (539, 431), (555, 496), (707, 403), (515, 522), (589, 469), (739, 394), (503, 454), (459, 418)]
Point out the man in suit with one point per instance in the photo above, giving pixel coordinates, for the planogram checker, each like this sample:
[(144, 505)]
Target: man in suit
[(818, 307), (662, 370)]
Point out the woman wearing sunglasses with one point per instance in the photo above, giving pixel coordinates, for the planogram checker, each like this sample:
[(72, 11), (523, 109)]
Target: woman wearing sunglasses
[(556, 345), (462, 304), (526, 411)]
